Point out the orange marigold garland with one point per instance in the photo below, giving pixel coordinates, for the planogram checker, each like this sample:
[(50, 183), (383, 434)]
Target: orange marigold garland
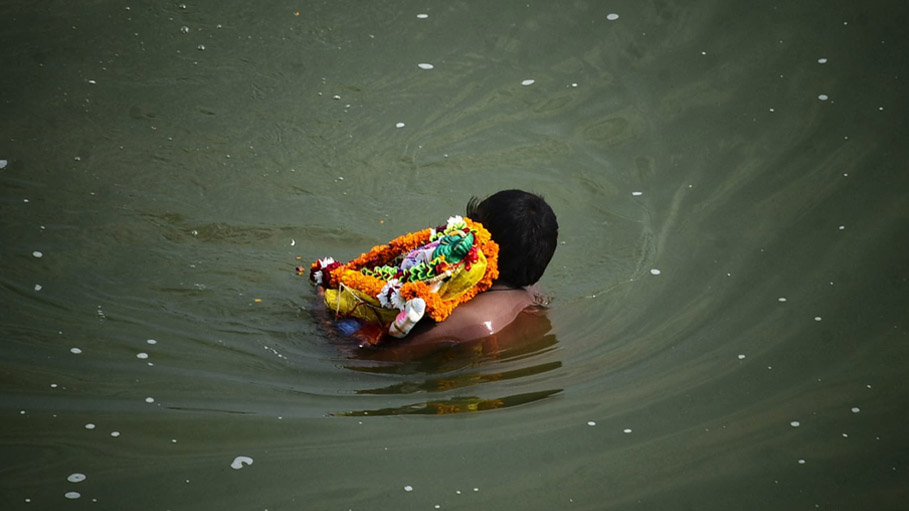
[(428, 272)]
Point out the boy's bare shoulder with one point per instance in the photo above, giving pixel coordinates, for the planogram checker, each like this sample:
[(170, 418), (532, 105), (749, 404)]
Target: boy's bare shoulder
[(485, 315)]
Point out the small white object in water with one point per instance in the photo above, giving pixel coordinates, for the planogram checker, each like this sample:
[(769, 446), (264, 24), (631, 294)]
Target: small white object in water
[(782, 298), (655, 271), (424, 65), (823, 97), (422, 16), (115, 434), (801, 461), (241, 461), (37, 287), (856, 409), (76, 478), (637, 194), (184, 29), (152, 341), (142, 355), (399, 125), (89, 426), (591, 423), (741, 356), (817, 318), (149, 400), (822, 60), (626, 430), (37, 254), (528, 82), (842, 227), (201, 47), (293, 242), (75, 351), (795, 424), (408, 488), (612, 16), (72, 495), (3, 164)]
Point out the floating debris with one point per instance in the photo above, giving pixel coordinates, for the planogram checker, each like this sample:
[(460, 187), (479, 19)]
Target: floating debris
[(856, 409), (654, 271), (240, 462), (76, 477), (75, 351), (37, 254), (424, 65), (822, 60), (72, 495), (823, 97), (408, 488), (399, 125), (626, 430), (637, 194), (612, 16), (591, 423), (795, 424), (741, 356), (3, 164), (142, 355), (149, 399), (422, 16), (528, 82)]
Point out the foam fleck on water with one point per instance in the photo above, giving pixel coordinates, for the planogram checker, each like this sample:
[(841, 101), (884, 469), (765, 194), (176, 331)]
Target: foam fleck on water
[(72, 495), (626, 430), (856, 409), (424, 65), (782, 299), (591, 423), (142, 355), (38, 254), (741, 356), (822, 60), (823, 97), (612, 16), (76, 477), (654, 271), (408, 488), (795, 424), (152, 341), (240, 462), (802, 461), (422, 16), (89, 426), (75, 351), (399, 125), (528, 82), (149, 400), (637, 194)]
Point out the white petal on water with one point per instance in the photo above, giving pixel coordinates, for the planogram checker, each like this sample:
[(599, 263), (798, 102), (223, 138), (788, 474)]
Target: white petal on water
[(626, 430), (76, 477), (37, 287), (782, 299), (149, 400), (637, 194), (75, 351), (822, 60), (856, 409), (3, 164), (801, 461), (654, 271), (152, 341), (72, 495), (422, 16), (408, 488), (399, 125), (89, 426), (741, 356), (591, 423), (38, 254), (823, 97), (142, 355), (528, 82), (612, 16), (115, 434), (424, 65), (240, 462), (817, 318), (795, 424)]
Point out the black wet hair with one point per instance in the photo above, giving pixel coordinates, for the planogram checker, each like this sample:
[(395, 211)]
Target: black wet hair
[(526, 230)]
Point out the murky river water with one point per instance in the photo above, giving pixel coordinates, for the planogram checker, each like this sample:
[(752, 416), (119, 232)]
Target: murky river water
[(728, 324)]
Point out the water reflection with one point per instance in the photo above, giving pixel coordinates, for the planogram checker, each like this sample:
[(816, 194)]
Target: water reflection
[(509, 357)]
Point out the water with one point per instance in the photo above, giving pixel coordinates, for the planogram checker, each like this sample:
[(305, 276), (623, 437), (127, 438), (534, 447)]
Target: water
[(729, 296)]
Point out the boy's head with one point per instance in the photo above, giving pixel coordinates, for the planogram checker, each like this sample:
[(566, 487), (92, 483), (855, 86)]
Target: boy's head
[(526, 230)]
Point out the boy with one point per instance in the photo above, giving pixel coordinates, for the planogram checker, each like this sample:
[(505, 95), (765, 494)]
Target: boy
[(526, 230)]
